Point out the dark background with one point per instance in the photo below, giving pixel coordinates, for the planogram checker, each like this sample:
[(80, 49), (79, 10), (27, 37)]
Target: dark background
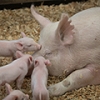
[(7, 4)]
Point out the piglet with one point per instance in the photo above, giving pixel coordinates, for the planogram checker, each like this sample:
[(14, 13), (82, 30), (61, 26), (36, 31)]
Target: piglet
[(39, 79), (15, 94), (16, 70), (25, 44)]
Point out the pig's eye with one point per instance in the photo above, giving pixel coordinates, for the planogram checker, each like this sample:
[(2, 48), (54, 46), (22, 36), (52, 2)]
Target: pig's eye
[(47, 52)]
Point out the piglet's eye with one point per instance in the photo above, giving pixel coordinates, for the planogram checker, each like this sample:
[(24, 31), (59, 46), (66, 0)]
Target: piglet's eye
[(29, 45), (22, 98), (16, 99)]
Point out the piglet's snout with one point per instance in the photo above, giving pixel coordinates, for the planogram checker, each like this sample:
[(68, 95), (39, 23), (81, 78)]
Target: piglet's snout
[(38, 46)]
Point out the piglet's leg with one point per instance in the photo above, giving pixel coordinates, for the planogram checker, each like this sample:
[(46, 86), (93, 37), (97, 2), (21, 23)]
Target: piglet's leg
[(77, 79), (19, 81)]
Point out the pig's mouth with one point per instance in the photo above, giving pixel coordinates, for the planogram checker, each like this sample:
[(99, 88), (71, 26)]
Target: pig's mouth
[(36, 54)]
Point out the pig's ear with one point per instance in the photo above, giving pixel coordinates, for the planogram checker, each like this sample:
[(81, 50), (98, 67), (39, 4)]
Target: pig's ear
[(30, 61), (8, 88), (18, 54), (23, 34), (19, 46), (64, 30), (47, 62), (40, 19)]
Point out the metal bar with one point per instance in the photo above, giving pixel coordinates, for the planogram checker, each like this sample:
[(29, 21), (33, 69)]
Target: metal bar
[(20, 1)]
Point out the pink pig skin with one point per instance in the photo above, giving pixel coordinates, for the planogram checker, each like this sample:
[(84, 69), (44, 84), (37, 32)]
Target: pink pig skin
[(15, 94), (16, 70), (25, 44), (39, 79), (73, 47)]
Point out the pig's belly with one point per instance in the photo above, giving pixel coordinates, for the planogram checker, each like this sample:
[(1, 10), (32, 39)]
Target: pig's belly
[(95, 71), (60, 69)]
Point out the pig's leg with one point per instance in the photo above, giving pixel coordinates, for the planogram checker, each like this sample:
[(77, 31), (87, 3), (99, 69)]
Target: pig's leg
[(19, 81), (77, 79)]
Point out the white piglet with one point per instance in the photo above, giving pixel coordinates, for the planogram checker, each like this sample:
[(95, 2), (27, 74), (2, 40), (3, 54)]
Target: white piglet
[(15, 94), (25, 44), (16, 70), (39, 79)]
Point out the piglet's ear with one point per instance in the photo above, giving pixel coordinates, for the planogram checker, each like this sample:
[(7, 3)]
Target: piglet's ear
[(8, 88), (30, 61), (47, 62), (64, 31), (23, 34), (36, 63), (18, 54), (40, 19), (27, 96), (19, 46)]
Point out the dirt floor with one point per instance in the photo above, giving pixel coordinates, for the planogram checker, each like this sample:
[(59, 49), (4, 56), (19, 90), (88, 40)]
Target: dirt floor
[(12, 22)]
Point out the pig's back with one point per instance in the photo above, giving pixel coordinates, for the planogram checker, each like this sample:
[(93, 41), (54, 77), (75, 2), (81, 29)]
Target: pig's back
[(91, 14), (87, 19), (87, 27), (87, 35)]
